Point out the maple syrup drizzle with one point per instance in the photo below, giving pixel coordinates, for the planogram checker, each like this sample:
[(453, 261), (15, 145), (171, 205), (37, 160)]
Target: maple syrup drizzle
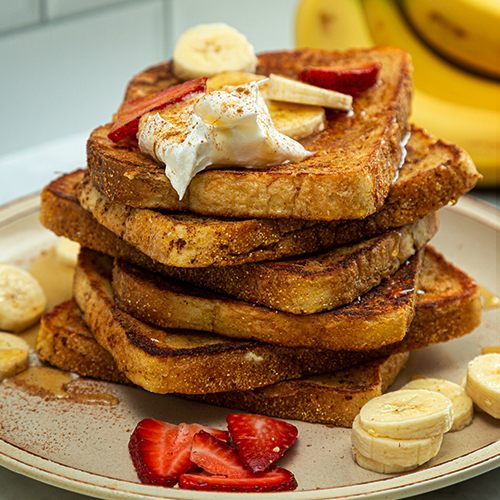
[(56, 279), (491, 301), (52, 383)]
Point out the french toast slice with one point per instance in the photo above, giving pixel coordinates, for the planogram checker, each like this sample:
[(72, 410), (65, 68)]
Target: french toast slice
[(434, 174), (333, 398), (381, 316), (315, 282), (450, 307), (169, 360), (65, 341), (356, 157), (193, 242)]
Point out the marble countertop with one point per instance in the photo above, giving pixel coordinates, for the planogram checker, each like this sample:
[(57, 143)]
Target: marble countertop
[(24, 173)]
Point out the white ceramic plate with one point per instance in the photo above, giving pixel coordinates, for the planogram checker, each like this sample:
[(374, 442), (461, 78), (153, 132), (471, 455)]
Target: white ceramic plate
[(83, 447)]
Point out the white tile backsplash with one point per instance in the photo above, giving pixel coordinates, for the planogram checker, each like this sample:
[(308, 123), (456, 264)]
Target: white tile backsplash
[(60, 8), (19, 13), (65, 70), (268, 25), (69, 77)]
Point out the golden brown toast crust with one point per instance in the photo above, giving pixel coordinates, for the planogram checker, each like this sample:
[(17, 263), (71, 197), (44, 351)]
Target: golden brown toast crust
[(320, 281), (332, 398), (65, 341), (193, 241), (357, 155), (434, 174), (169, 361), (380, 317), (449, 308), (189, 240)]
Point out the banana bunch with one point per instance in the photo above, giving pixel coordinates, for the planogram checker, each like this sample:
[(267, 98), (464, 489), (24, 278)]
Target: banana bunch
[(457, 83), (401, 430)]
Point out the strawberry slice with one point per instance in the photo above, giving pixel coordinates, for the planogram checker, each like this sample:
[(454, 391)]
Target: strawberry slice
[(341, 78), (260, 440), (129, 114), (161, 451), (216, 457), (274, 479)]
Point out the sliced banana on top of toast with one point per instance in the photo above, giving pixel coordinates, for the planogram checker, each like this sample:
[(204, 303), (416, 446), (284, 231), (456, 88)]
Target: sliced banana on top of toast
[(232, 78), (208, 49), (22, 299), (280, 88), (294, 120)]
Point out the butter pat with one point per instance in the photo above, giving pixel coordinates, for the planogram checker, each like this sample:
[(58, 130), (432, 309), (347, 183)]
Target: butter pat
[(219, 129)]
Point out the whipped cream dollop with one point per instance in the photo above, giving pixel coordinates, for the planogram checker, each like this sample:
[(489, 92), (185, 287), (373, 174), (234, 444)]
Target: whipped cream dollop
[(223, 128)]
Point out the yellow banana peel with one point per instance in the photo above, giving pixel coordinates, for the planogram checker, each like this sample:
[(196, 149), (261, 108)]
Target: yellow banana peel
[(450, 102)]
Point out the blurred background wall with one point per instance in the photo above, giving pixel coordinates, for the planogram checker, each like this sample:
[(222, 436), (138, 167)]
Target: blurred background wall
[(64, 64)]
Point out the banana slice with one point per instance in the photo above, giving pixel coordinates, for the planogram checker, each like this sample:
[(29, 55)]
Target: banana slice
[(297, 120), (22, 300), (13, 355), (67, 251), (491, 349), (280, 88), (389, 451), (232, 78), (294, 120), (483, 383), (409, 414), (207, 49), (373, 465), (463, 410)]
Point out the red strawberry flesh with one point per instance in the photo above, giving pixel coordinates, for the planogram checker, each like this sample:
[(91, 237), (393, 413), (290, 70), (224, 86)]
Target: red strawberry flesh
[(260, 440), (274, 479), (161, 451), (127, 119), (216, 457), (348, 80)]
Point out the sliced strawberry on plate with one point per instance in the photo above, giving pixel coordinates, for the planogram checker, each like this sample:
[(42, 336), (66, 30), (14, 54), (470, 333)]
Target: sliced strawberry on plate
[(218, 433), (161, 451), (343, 79), (260, 440), (129, 114), (274, 479), (216, 457)]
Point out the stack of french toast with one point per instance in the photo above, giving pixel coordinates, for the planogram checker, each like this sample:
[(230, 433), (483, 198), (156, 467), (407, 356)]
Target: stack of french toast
[(294, 290)]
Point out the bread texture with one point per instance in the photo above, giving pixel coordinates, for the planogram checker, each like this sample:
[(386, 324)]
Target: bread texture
[(381, 316), (167, 360), (356, 156), (434, 174), (320, 281), (65, 341), (450, 307)]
